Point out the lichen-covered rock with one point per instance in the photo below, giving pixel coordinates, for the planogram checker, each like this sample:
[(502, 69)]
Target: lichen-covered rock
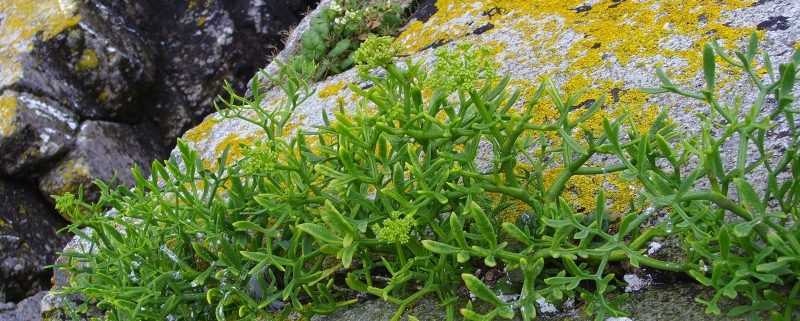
[(101, 150), (96, 67), (28, 241), (32, 131), (607, 47)]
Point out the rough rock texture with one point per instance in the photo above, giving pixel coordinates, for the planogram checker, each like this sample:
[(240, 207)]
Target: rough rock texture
[(92, 87), (32, 131), (102, 149), (28, 241), (25, 310), (663, 302), (607, 46)]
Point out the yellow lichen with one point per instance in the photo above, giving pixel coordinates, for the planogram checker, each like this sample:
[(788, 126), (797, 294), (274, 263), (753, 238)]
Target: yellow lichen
[(72, 173), (103, 96), (201, 21), (88, 60), (233, 142), (200, 132), (22, 21), (332, 89), (8, 111), (609, 35)]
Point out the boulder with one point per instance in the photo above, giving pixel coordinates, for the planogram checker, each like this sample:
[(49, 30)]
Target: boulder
[(28, 241), (202, 43), (32, 131), (97, 65), (26, 310), (607, 48), (102, 150)]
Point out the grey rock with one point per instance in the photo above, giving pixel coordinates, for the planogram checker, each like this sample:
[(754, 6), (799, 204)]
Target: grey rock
[(26, 310), (101, 150), (32, 131), (658, 303), (97, 68), (202, 43), (28, 241)]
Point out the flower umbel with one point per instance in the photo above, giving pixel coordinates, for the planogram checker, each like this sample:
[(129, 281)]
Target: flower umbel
[(374, 52), (68, 205), (260, 158), (463, 68), (395, 229)]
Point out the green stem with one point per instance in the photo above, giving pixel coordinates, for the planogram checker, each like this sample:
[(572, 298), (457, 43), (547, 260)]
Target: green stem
[(402, 308), (561, 181)]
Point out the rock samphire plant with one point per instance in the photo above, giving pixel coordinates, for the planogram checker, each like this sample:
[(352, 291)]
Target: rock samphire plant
[(395, 200)]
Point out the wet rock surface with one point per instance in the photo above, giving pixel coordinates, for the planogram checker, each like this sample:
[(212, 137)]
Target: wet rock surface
[(32, 131), (28, 241), (93, 87), (103, 150)]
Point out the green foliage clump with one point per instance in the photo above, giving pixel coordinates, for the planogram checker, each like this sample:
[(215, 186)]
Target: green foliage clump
[(374, 52), (339, 29), (462, 69), (259, 158), (197, 243), (394, 229)]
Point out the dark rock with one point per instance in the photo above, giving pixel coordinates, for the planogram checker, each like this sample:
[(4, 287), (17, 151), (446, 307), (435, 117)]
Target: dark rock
[(28, 241), (25, 310), (97, 68), (202, 43), (101, 149), (774, 23), (32, 131), (425, 11), (483, 29)]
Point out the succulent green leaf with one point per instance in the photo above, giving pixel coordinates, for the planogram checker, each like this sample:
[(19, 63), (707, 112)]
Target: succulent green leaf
[(483, 223), (480, 290), (709, 66)]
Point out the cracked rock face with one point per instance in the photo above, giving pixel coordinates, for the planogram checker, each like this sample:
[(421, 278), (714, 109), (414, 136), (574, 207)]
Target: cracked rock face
[(93, 87), (102, 150), (32, 131), (28, 241)]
